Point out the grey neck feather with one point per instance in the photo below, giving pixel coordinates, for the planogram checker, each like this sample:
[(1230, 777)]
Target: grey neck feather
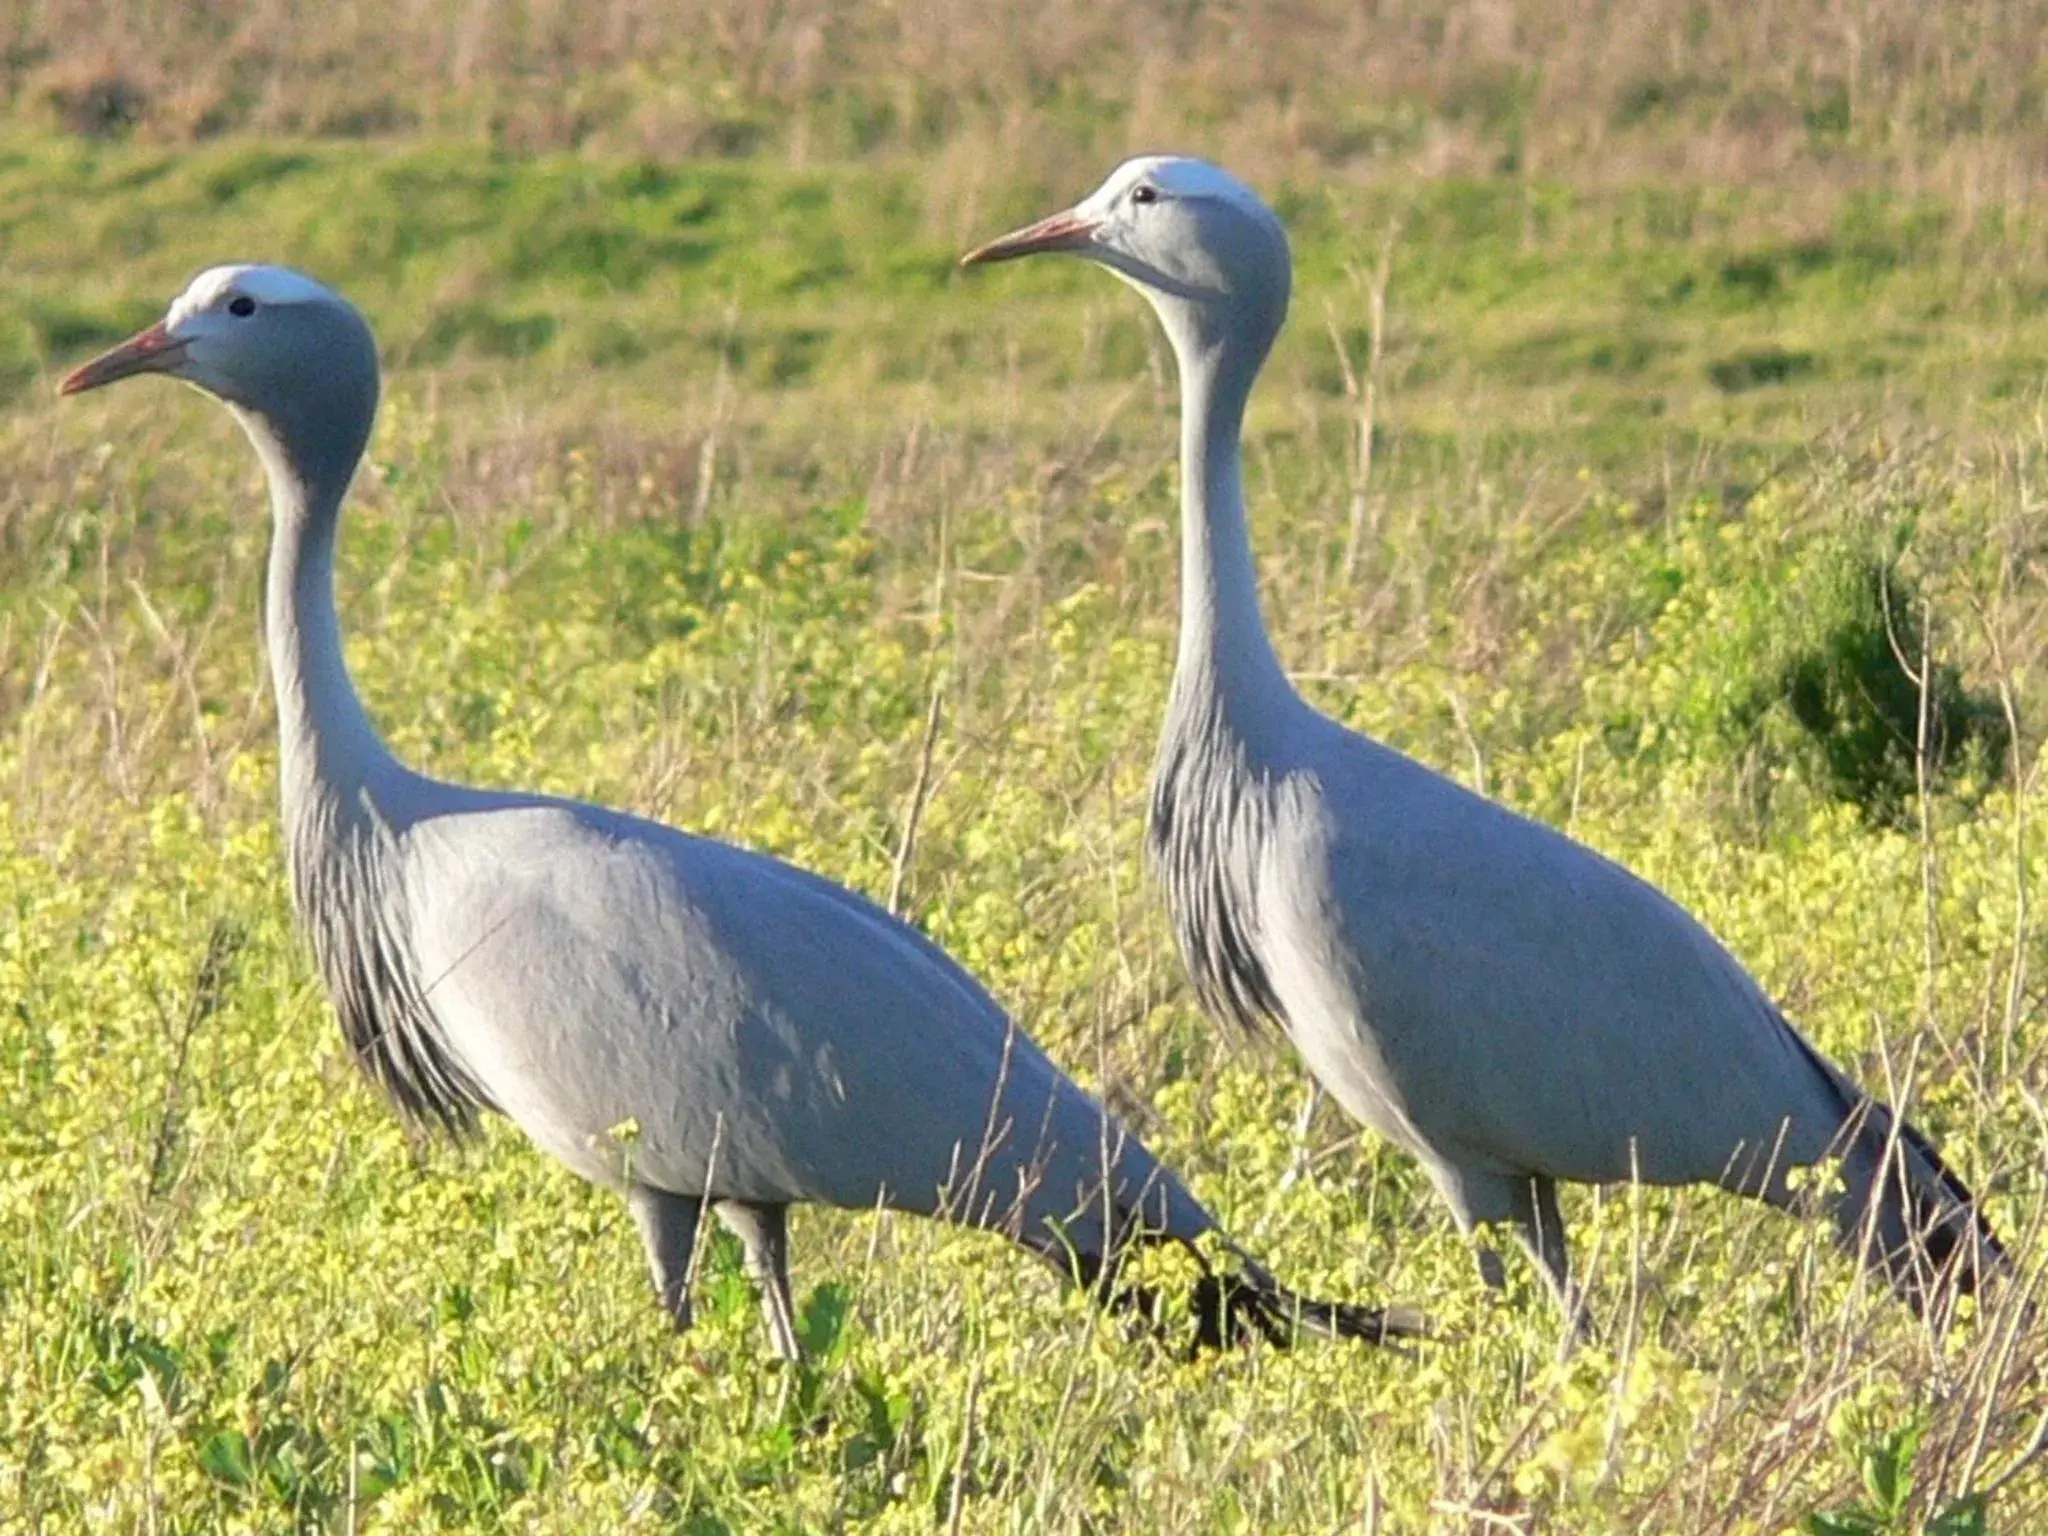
[(346, 799), (325, 740), (1213, 803), (1226, 658)]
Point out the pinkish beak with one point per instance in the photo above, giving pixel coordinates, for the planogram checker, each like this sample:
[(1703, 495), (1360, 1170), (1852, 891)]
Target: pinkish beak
[(1069, 231), (152, 351)]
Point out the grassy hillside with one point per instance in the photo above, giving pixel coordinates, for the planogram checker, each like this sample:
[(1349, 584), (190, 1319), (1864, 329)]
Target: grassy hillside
[(700, 477)]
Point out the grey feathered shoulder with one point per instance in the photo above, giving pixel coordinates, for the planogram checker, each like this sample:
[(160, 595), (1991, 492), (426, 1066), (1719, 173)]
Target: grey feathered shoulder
[(341, 866), (1211, 818)]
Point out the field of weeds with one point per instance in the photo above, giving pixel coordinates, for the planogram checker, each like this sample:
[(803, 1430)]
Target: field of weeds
[(1702, 516)]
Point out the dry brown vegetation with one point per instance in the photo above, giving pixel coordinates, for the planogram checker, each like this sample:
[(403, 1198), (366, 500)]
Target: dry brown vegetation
[(1941, 97)]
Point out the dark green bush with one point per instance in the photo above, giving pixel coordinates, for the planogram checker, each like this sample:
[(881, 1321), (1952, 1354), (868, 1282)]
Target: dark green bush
[(1852, 685)]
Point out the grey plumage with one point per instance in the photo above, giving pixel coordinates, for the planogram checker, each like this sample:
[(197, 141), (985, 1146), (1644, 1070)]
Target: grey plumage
[(1212, 815), (1502, 1003), (682, 1021), (363, 949)]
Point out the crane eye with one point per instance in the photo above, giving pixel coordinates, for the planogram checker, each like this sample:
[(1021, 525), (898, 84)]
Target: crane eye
[(241, 306), (1144, 194)]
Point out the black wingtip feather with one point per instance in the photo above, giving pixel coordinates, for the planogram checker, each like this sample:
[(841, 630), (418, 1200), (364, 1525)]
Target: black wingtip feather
[(1230, 1309), (1940, 1214), (1968, 1262)]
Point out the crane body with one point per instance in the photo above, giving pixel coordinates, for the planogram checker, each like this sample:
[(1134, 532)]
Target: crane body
[(1506, 1005), (686, 1022)]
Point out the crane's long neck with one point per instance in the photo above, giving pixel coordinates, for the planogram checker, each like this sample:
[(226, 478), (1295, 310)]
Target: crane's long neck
[(1224, 648), (327, 746)]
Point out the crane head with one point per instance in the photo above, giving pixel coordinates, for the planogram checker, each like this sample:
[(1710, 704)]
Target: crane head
[(294, 361), (1191, 237), (239, 332)]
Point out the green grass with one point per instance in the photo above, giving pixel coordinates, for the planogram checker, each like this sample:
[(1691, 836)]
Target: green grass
[(1622, 314), (694, 482)]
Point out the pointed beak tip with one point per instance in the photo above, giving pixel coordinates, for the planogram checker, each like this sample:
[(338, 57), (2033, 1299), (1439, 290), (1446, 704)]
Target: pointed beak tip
[(1002, 248), (1062, 232), (152, 351)]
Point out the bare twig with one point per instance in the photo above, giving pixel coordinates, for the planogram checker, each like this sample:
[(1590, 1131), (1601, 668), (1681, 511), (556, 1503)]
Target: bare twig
[(920, 792), (721, 417), (216, 972), (1363, 389), (1304, 1122), (956, 1503), (2016, 970), (1464, 718), (2037, 1444), (697, 1243)]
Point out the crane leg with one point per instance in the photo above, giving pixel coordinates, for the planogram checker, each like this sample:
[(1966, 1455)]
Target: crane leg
[(668, 1230), (1491, 1270), (1540, 1226), (1478, 1198), (763, 1230), (1297, 1165), (1528, 1204)]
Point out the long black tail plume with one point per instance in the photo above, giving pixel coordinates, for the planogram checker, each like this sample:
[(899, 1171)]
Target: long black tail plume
[(1908, 1215), (1229, 1310), (1916, 1221)]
